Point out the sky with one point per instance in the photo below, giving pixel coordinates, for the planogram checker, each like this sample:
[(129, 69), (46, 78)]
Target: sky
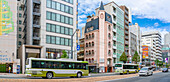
[(151, 15)]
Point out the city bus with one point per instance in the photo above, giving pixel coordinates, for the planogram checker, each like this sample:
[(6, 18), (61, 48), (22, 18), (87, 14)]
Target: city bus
[(49, 68), (126, 68)]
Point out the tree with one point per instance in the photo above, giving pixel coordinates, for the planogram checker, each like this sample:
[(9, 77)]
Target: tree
[(64, 54), (123, 57), (136, 57), (157, 62)]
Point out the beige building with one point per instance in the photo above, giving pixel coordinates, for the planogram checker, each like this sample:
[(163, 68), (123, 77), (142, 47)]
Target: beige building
[(98, 42), (8, 36)]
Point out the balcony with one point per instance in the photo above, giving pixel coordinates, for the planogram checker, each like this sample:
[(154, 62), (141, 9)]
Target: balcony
[(36, 24), (126, 37), (126, 32), (36, 36), (114, 46), (114, 38), (126, 22), (37, 1), (126, 17), (126, 42), (126, 27), (114, 55), (36, 12)]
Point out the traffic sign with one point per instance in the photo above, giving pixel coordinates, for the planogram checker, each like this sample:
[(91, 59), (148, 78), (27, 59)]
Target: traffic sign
[(78, 47)]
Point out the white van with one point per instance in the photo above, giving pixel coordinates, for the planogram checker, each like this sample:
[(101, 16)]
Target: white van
[(146, 71)]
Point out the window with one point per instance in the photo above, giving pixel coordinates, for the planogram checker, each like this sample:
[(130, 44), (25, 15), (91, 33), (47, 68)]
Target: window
[(86, 52), (89, 44), (19, 35), (71, 31), (66, 31), (52, 28), (58, 6), (109, 52), (71, 1), (89, 52), (62, 7), (62, 41), (53, 5), (62, 18), (48, 27), (20, 15), (57, 29), (66, 9), (58, 17), (66, 42), (48, 15), (89, 35), (62, 29), (48, 40), (53, 16), (20, 22), (66, 20), (35, 64), (20, 8), (19, 43), (92, 35), (109, 44), (86, 36), (53, 39), (57, 40), (49, 3), (92, 43), (92, 51), (109, 35), (71, 10), (20, 29), (109, 27), (42, 64), (86, 44), (71, 21)]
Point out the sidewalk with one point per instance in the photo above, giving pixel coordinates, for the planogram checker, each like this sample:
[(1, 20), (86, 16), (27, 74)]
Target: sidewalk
[(96, 74), (11, 75)]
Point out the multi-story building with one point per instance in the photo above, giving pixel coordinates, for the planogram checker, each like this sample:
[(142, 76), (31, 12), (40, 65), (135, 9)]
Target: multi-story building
[(126, 30), (8, 36), (117, 15), (167, 39), (154, 36), (132, 46), (98, 41), (151, 43), (146, 55), (166, 53), (135, 29), (80, 53), (48, 27)]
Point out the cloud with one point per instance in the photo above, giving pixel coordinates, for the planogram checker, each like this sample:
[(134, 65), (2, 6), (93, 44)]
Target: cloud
[(156, 24), (161, 30), (154, 9)]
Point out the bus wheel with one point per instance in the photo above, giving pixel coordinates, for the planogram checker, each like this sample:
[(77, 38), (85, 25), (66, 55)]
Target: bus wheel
[(79, 75), (49, 75)]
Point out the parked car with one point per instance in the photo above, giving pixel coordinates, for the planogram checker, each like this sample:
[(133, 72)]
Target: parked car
[(165, 70), (146, 71)]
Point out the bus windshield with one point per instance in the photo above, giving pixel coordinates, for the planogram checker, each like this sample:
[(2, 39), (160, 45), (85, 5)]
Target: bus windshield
[(118, 65)]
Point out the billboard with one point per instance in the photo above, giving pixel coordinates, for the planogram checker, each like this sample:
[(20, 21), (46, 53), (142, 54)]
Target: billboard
[(145, 52)]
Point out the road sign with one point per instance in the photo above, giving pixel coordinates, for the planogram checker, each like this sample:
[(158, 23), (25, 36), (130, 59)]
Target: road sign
[(78, 47)]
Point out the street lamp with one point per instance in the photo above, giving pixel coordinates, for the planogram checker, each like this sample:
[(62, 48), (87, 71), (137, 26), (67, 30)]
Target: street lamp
[(72, 43)]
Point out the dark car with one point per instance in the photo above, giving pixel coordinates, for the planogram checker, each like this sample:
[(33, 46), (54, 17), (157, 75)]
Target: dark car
[(165, 70)]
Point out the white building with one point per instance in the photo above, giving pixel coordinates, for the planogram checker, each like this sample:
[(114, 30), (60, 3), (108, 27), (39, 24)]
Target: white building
[(49, 25), (167, 39), (8, 35), (148, 38)]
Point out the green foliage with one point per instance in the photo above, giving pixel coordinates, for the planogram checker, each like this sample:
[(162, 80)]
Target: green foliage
[(156, 62), (123, 57), (136, 57), (64, 54)]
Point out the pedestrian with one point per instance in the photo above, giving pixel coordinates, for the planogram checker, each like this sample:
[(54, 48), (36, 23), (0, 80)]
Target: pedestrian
[(9, 69)]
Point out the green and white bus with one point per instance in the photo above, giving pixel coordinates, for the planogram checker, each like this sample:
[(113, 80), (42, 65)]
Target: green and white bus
[(49, 68), (126, 68)]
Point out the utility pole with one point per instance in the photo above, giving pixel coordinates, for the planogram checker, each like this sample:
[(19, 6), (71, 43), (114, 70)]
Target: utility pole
[(72, 43)]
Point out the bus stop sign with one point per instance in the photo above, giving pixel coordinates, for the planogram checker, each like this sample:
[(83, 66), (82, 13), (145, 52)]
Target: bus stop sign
[(78, 47)]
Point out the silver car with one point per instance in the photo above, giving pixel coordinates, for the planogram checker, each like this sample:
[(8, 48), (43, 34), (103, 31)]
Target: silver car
[(146, 71)]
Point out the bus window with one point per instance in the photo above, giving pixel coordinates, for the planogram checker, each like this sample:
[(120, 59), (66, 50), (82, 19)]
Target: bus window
[(42, 64), (57, 65), (118, 65), (35, 64), (49, 64)]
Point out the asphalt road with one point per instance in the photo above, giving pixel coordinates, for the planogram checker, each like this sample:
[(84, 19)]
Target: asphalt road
[(14, 76), (157, 77)]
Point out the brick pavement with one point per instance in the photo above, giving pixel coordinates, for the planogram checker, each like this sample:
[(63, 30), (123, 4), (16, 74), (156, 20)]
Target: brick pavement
[(90, 79)]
